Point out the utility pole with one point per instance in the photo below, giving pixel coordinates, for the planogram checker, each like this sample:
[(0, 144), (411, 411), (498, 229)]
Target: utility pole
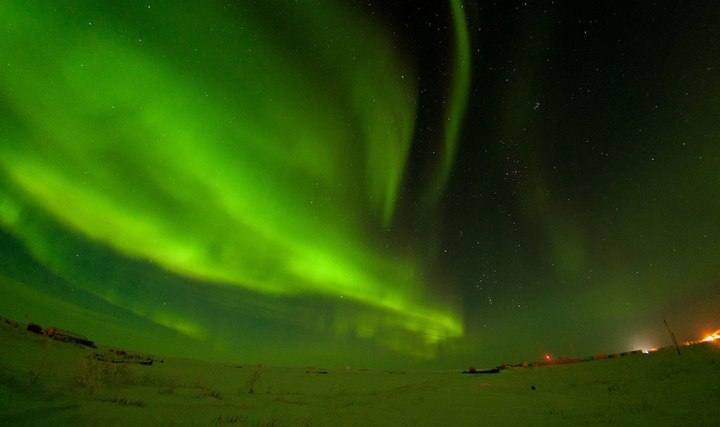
[(672, 335)]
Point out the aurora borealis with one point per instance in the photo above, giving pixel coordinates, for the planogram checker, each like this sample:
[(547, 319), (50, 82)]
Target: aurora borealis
[(325, 182)]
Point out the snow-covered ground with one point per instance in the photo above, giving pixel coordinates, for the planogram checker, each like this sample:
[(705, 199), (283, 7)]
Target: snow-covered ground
[(49, 383)]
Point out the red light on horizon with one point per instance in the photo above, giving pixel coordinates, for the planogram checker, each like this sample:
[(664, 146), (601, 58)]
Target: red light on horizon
[(547, 357)]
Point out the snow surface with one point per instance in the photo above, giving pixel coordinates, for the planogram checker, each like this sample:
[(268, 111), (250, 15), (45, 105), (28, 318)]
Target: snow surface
[(49, 383)]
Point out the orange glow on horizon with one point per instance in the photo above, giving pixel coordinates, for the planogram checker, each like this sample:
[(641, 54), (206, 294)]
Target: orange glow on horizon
[(712, 337)]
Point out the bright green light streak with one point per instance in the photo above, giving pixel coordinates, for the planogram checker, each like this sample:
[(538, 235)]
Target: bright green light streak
[(266, 174), (458, 101)]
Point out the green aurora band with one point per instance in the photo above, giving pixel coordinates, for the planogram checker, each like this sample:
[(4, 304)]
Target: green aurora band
[(231, 155)]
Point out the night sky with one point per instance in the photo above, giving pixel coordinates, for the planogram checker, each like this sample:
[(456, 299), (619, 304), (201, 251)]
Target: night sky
[(361, 184)]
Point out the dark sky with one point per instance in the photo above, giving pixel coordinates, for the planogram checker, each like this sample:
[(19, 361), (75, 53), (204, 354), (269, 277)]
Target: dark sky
[(351, 184), (583, 202)]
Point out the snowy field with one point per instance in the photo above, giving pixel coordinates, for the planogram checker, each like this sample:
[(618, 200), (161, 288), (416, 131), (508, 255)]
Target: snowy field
[(45, 382)]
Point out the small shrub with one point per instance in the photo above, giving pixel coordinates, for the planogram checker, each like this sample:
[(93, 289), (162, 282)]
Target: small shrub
[(126, 402), (170, 384), (93, 375), (208, 393), (88, 376), (41, 364), (228, 420), (252, 381)]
